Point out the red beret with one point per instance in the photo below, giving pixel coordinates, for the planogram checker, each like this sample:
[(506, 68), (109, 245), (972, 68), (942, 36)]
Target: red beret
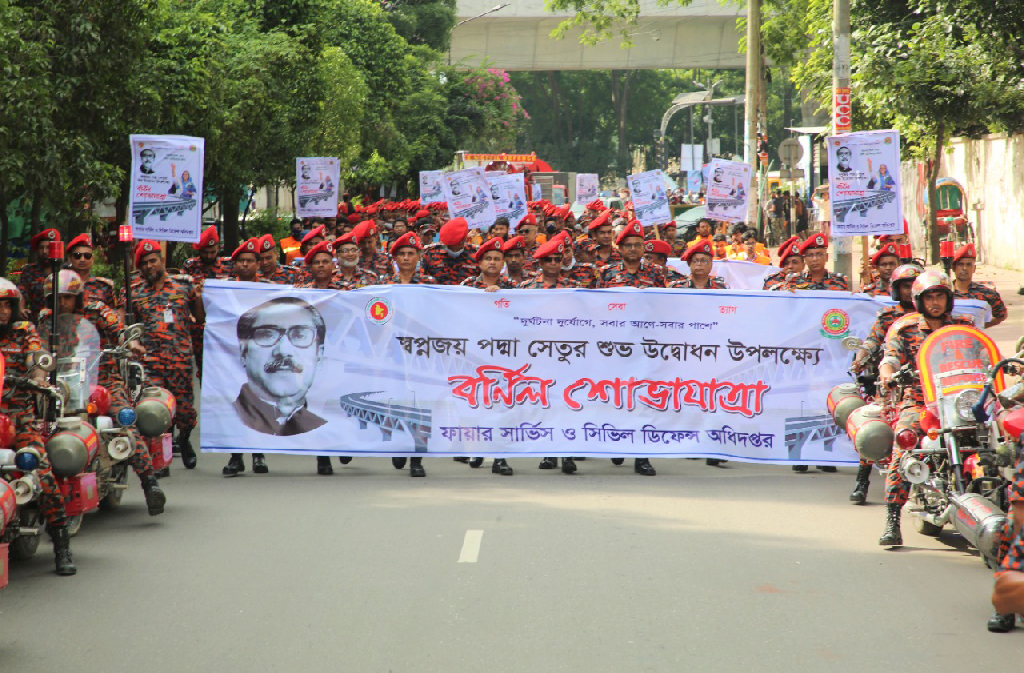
[(45, 235), (487, 246), (699, 247), (887, 249), (209, 238), (422, 212), (354, 218), (365, 229), (658, 247), (600, 220), (316, 233), (145, 248), (371, 210), (788, 242), (343, 207), (454, 231), (556, 246), (348, 238), (514, 243), (322, 246), (250, 246), (407, 240), (964, 251), (634, 228), (266, 243), (564, 235), (789, 249), (80, 240), (529, 219), (596, 204), (816, 241)]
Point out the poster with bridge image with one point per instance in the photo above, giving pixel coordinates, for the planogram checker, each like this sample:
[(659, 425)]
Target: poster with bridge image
[(167, 187), (451, 371), (469, 196), (430, 187), (650, 199), (728, 189), (864, 183), (586, 187), (508, 194), (316, 186)]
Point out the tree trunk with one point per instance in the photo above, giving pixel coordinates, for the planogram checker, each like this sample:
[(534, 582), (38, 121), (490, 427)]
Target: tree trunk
[(556, 108), (620, 101), (933, 195), (5, 232), (121, 203), (35, 215), (229, 214), (272, 200)]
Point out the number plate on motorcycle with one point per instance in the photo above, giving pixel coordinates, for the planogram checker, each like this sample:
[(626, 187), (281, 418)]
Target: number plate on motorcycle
[(956, 358)]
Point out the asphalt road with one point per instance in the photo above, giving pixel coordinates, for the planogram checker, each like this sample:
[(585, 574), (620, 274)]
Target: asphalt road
[(746, 567)]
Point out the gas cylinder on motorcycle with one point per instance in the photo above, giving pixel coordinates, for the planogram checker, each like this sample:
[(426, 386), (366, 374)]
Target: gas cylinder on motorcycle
[(72, 447), (8, 505), (871, 434), (155, 411), (842, 401), (980, 522)]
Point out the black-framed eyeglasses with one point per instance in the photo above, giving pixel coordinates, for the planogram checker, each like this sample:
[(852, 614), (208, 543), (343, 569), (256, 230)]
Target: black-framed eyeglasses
[(81, 255), (301, 336)]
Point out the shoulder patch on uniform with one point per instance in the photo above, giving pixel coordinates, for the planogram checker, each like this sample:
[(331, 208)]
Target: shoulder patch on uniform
[(105, 281)]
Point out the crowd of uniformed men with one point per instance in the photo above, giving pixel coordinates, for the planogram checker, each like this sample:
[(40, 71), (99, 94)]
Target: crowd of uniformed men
[(392, 243)]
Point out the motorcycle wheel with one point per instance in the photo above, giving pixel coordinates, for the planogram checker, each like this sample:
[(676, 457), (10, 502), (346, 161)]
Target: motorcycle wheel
[(24, 548), (926, 528), (112, 499)]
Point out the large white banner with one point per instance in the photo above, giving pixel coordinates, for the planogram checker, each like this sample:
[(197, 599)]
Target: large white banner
[(450, 371), (469, 196), (167, 187), (508, 194), (316, 186), (864, 183), (430, 187), (691, 157), (738, 275), (728, 190), (650, 201), (586, 187)]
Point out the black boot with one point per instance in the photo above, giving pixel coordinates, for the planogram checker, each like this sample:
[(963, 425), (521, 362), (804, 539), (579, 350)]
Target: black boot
[(568, 466), (714, 462), (860, 490), (259, 464), (323, 465), (234, 467), (344, 460), (799, 468), (644, 467), (998, 623), (501, 466), (416, 468), (892, 536), (188, 456), (62, 550), (548, 464), (618, 461), (155, 498), (476, 462), (398, 463), (830, 469)]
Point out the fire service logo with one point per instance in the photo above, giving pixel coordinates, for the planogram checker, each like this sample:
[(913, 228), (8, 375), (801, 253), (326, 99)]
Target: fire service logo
[(378, 310), (835, 324)]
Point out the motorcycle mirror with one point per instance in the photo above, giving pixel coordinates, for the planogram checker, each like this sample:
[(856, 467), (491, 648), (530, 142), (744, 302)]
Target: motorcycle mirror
[(1019, 347), (131, 333), (46, 362), (852, 343)]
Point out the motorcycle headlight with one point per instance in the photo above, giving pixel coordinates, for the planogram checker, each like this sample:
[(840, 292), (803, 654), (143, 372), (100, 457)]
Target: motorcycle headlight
[(126, 416), (963, 403), (26, 460)]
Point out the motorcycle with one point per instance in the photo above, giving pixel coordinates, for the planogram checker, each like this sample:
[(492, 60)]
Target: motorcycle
[(960, 468)]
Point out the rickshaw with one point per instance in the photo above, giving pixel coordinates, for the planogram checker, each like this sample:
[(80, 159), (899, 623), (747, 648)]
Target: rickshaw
[(951, 212)]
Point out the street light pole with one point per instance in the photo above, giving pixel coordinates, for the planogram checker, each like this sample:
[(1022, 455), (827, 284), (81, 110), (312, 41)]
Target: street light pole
[(750, 103), (841, 107)]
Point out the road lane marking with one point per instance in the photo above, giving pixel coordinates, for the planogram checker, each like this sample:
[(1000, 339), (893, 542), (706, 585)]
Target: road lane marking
[(471, 546)]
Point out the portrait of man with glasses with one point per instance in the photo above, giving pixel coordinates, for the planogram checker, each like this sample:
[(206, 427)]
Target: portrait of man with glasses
[(281, 343)]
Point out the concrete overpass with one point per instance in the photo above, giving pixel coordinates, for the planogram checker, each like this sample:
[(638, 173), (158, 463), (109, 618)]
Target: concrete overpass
[(699, 35)]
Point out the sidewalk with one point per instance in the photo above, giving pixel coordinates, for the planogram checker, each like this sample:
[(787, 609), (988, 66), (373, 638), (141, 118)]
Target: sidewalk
[(1007, 283)]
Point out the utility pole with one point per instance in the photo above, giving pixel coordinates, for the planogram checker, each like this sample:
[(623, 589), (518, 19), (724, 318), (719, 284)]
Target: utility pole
[(841, 112), (751, 99)]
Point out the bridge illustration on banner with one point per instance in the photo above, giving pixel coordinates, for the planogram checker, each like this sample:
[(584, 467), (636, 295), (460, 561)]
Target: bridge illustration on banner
[(803, 429), (389, 417), (874, 199), (142, 210), (723, 203), (315, 197)]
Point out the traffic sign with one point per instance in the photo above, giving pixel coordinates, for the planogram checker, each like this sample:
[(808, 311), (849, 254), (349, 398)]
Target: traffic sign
[(791, 152)]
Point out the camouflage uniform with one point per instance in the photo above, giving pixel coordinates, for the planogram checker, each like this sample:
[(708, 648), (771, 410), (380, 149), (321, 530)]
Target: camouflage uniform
[(583, 274), (32, 283), (108, 324), (714, 283), (361, 278), (17, 347), (901, 347), (830, 281), (647, 275), (986, 294), (200, 273), (100, 289), (284, 275), (418, 278), (448, 270), (775, 281), (878, 288), (380, 265), (478, 282), (538, 284), (613, 258), (168, 341)]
